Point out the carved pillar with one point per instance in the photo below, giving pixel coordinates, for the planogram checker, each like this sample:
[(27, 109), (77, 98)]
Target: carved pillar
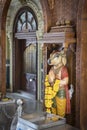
[(3, 13), (39, 35), (0, 68), (71, 65), (1, 8)]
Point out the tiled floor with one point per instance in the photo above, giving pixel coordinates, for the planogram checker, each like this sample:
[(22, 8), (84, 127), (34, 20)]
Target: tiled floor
[(30, 105)]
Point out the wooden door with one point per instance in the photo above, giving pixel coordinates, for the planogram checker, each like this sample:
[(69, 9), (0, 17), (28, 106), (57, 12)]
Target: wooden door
[(29, 69), (25, 67)]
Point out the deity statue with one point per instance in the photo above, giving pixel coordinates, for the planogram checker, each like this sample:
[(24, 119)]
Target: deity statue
[(57, 97)]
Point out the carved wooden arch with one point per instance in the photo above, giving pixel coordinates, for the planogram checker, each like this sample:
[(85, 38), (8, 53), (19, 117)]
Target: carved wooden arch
[(46, 14), (81, 66)]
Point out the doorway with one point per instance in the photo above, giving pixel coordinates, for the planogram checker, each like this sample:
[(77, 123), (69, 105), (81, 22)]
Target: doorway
[(25, 66), (25, 52)]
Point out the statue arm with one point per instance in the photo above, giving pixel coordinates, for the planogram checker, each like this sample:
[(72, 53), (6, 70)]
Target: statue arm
[(64, 81), (64, 76)]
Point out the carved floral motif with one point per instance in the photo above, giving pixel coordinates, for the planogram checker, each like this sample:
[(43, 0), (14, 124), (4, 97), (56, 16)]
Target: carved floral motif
[(51, 3)]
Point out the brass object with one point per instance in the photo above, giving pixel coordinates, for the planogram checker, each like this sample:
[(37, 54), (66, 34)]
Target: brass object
[(67, 22)]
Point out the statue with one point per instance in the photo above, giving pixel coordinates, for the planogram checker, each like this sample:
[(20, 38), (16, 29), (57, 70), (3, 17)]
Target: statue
[(17, 114), (57, 97)]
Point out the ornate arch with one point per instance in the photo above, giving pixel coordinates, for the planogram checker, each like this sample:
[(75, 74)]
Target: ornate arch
[(10, 22), (38, 13)]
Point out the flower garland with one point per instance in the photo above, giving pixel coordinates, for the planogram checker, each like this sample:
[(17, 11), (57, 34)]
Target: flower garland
[(50, 93)]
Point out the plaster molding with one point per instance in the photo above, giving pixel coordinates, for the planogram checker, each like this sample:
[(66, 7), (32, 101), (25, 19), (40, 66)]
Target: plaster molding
[(9, 36), (37, 11)]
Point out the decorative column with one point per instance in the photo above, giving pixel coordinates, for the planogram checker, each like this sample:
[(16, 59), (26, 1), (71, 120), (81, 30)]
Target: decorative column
[(39, 65)]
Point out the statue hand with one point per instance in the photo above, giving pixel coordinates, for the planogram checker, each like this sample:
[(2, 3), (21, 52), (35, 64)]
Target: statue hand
[(51, 77)]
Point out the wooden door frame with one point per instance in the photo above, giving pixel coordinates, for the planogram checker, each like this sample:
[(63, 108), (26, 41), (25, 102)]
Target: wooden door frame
[(81, 63), (31, 36), (14, 66)]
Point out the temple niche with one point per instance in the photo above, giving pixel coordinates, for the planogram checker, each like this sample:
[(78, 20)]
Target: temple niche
[(58, 39)]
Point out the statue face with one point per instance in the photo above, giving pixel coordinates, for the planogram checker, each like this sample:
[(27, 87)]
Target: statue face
[(55, 58)]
